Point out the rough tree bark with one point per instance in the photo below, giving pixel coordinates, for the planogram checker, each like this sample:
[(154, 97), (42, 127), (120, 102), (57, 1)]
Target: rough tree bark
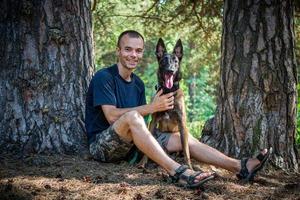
[(257, 100), (46, 65)]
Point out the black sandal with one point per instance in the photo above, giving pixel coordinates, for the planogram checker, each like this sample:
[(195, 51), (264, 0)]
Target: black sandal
[(244, 173), (189, 179)]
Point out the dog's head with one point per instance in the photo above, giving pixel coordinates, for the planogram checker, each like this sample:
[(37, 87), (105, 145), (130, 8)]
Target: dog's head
[(168, 73)]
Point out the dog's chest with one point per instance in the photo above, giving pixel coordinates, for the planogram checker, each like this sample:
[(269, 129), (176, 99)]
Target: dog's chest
[(168, 122)]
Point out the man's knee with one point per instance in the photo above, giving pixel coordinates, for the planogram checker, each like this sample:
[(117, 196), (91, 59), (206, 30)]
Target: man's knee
[(174, 143), (193, 143), (133, 117)]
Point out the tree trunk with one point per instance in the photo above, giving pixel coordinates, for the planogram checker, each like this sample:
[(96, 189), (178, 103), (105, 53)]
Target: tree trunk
[(46, 65), (257, 99)]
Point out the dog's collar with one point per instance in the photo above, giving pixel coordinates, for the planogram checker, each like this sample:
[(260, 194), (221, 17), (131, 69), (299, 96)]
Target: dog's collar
[(167, 90)]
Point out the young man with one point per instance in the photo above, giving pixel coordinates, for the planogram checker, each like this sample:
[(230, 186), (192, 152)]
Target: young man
[(115, 107)]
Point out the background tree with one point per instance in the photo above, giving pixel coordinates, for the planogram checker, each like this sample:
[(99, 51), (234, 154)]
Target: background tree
[(297, 51), (46, 64), (257, 102)]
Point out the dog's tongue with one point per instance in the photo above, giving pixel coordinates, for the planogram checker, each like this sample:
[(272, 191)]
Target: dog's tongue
[(169, 81)]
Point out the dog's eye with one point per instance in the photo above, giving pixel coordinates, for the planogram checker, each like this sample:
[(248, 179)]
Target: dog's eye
[(164, 61)]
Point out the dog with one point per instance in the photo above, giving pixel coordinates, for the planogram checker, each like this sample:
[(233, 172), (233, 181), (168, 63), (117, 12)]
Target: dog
[(169, 75)]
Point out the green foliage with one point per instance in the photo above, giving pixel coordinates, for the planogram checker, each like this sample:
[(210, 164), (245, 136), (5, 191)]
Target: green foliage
[(202, 104), (195, 128)]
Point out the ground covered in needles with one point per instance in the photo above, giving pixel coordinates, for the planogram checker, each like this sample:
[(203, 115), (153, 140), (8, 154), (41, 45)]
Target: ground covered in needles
[(79, 177)]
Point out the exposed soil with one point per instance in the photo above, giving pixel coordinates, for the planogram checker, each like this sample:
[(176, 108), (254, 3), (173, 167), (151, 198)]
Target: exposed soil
[(73, 177)]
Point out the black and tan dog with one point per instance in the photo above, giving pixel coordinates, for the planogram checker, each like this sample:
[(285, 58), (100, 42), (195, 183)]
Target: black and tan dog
[(168, 74)]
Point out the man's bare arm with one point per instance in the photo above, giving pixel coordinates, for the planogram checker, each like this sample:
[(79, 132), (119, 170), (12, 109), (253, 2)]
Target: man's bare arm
[(159, 103)]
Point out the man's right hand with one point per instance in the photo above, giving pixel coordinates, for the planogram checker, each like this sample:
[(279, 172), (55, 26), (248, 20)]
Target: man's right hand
[(163, 102)]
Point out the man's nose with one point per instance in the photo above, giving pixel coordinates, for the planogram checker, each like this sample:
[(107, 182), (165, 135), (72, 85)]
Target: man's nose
[(133, 53)]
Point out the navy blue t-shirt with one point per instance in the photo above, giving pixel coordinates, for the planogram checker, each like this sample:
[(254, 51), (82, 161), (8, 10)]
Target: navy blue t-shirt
[(107, 87)]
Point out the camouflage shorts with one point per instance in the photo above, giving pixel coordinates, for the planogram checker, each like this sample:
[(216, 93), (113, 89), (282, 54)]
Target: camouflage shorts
[(162, 138), (109, 147)]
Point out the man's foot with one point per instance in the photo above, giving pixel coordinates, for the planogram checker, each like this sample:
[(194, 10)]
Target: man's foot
[(249, 167), (254, 162), (189, 178)]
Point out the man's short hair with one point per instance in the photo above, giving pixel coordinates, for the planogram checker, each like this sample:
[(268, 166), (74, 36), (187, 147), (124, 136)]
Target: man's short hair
[(130, 33)]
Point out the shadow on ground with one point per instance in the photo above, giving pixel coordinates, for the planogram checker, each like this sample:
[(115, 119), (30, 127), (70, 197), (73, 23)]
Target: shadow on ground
[(74, 177)]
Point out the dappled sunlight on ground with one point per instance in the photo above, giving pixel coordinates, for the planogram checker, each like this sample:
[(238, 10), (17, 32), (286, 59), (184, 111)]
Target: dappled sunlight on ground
[(72, 177)]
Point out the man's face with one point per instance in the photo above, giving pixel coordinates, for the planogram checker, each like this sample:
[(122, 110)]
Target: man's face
[(130, 51)]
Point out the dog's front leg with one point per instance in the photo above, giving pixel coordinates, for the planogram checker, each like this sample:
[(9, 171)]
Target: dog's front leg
[(183, 130), (184, 138)]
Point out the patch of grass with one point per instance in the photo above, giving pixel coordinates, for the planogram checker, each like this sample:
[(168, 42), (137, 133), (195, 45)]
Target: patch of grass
[(195, 128)]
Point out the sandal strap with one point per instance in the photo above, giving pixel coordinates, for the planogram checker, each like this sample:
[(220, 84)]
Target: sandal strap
[(244, 171), (191, 179), (260, 157), (179, 173)]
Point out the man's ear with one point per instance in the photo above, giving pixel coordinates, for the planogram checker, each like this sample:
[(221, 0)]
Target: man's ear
[(160, 49), (118, 51), (178, 50)]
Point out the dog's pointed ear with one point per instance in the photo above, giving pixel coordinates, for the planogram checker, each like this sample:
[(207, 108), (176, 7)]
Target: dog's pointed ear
[(178, 50), (160, 49)]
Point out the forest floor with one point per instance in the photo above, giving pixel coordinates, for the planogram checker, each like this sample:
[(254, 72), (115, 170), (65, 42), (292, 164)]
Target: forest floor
[(79, 177)]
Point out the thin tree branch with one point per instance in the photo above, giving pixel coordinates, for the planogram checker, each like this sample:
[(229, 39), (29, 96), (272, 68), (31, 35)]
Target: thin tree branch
[(144, 17), (154, 4)]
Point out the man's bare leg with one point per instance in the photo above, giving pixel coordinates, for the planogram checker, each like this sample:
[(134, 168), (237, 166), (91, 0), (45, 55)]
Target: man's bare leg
[(131, 127), (209, 155)]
